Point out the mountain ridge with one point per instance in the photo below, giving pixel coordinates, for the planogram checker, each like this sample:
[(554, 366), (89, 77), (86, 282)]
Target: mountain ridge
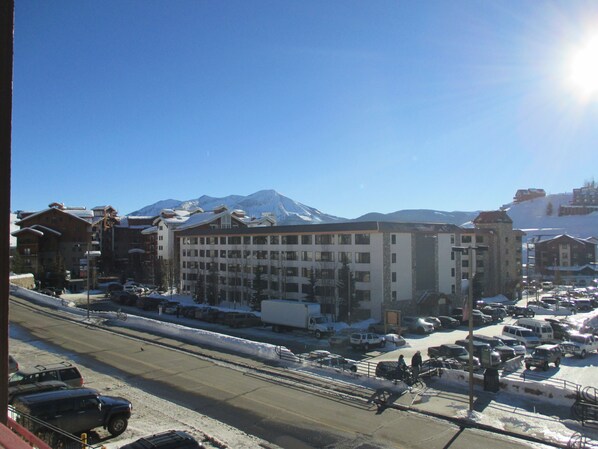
[(529, 216)]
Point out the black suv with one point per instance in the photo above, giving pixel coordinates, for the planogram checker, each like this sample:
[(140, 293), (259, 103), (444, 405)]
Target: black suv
[(64, 372), (75, 411), (171, 439)]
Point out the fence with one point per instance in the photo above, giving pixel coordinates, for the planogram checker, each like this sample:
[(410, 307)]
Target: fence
[(49, 434)]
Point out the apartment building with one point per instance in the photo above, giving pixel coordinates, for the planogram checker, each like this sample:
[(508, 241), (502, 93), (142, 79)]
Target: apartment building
[(411, 266)]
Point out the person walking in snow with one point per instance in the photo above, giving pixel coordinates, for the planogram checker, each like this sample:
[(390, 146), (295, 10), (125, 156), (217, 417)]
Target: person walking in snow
[(401, 366), (416, 363)]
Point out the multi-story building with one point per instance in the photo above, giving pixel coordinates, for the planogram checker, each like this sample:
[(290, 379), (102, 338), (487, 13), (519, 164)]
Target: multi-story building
[(411, 266), (56, 239), (134, 250), (566, 259)]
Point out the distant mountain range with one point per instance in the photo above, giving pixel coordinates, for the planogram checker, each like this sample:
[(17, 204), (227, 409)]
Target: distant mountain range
[(286, 210), (529, 216)]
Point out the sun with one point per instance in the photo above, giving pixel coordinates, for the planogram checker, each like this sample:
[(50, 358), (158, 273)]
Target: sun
[(583, 75)]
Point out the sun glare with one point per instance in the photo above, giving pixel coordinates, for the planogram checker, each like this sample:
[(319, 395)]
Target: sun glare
[(584, 70)]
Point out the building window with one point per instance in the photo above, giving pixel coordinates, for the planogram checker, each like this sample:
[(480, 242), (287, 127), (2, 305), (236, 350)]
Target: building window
[(393, 295), (452, 239), (274, 240), (306, 256), (260, 240), (344, 257), (324, 256), (452, 272), (324, 239), (479, 239), (292, 271), (290, 240), (362, 295), (246, 240), (236, 240), (466, 239), (362, 239), (394, 276), (393, 257), (325, 273), (290, 255), (362, 257), (393, 239), (291, 287), (274, 255), (465, 263), (362, 276), (344, 239), (306, 240)]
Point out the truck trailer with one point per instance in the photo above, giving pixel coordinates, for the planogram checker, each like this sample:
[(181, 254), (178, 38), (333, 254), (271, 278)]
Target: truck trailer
[(284, 315)]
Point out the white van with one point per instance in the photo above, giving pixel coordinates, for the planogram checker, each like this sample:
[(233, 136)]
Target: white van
[(542, 329), (522, 334)]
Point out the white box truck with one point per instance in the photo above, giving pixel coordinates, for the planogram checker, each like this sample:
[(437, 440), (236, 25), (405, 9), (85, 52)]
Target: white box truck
[(284, 314)]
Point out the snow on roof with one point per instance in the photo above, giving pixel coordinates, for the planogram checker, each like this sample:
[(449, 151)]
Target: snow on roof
[(150, 230)]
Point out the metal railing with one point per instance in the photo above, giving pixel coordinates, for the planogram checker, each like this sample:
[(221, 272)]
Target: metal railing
[(51, 435)]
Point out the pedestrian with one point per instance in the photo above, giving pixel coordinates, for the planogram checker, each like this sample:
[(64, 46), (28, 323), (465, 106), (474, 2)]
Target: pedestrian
[(416, 363), (401, 366)]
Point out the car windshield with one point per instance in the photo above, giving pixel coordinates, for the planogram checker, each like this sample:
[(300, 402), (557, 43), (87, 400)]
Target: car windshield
[(320, 320), (527, 333), (578, 339), (540, 353)]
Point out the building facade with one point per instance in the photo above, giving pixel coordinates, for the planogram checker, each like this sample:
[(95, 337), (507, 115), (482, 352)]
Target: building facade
[(409, 266)]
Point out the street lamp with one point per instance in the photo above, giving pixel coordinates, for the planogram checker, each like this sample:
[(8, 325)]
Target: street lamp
[(88, 255), (471, 250)]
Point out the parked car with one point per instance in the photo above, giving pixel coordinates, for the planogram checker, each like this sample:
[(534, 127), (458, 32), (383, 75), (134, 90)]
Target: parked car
[(394, 339), (381, 328), (580, 345), (513, 343), (124, 298), (65, 372), (560, 330), (243, 319), (417, 325), (50, 292), (38, 387), (171, 439), (497, 314), (506, 352), (74, 410), (366, 340), (525, 312), (478, 349), (480, 318), (523, 335), (341, 337), (315, 355), (543, 355), (449, 322), (338, 362), (434, 321)]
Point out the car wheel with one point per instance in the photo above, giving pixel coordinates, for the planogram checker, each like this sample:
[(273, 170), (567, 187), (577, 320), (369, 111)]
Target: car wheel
[(353, 369), (117, 425), (583, 354), (545, 366), (557, 362), (533, 314), (318, 334)]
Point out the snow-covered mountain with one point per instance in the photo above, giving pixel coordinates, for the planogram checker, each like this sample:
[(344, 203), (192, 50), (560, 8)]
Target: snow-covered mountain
[(286, 210), (530, 216), (421, 216)]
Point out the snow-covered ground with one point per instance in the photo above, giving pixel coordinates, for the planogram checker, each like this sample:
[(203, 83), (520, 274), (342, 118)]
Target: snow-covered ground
[(507, 410)]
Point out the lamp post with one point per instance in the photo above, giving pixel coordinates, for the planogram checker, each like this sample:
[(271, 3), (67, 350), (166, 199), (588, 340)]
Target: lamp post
[(471, 250), (88, 255)]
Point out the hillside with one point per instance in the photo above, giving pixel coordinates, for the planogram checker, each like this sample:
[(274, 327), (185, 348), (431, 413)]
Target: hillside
[(529, 216)]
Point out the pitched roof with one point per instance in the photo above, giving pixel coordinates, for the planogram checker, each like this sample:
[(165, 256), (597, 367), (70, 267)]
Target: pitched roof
[(493, 216)]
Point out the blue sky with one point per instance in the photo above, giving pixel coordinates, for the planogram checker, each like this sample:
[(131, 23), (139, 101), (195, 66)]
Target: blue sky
[(347, 106)]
